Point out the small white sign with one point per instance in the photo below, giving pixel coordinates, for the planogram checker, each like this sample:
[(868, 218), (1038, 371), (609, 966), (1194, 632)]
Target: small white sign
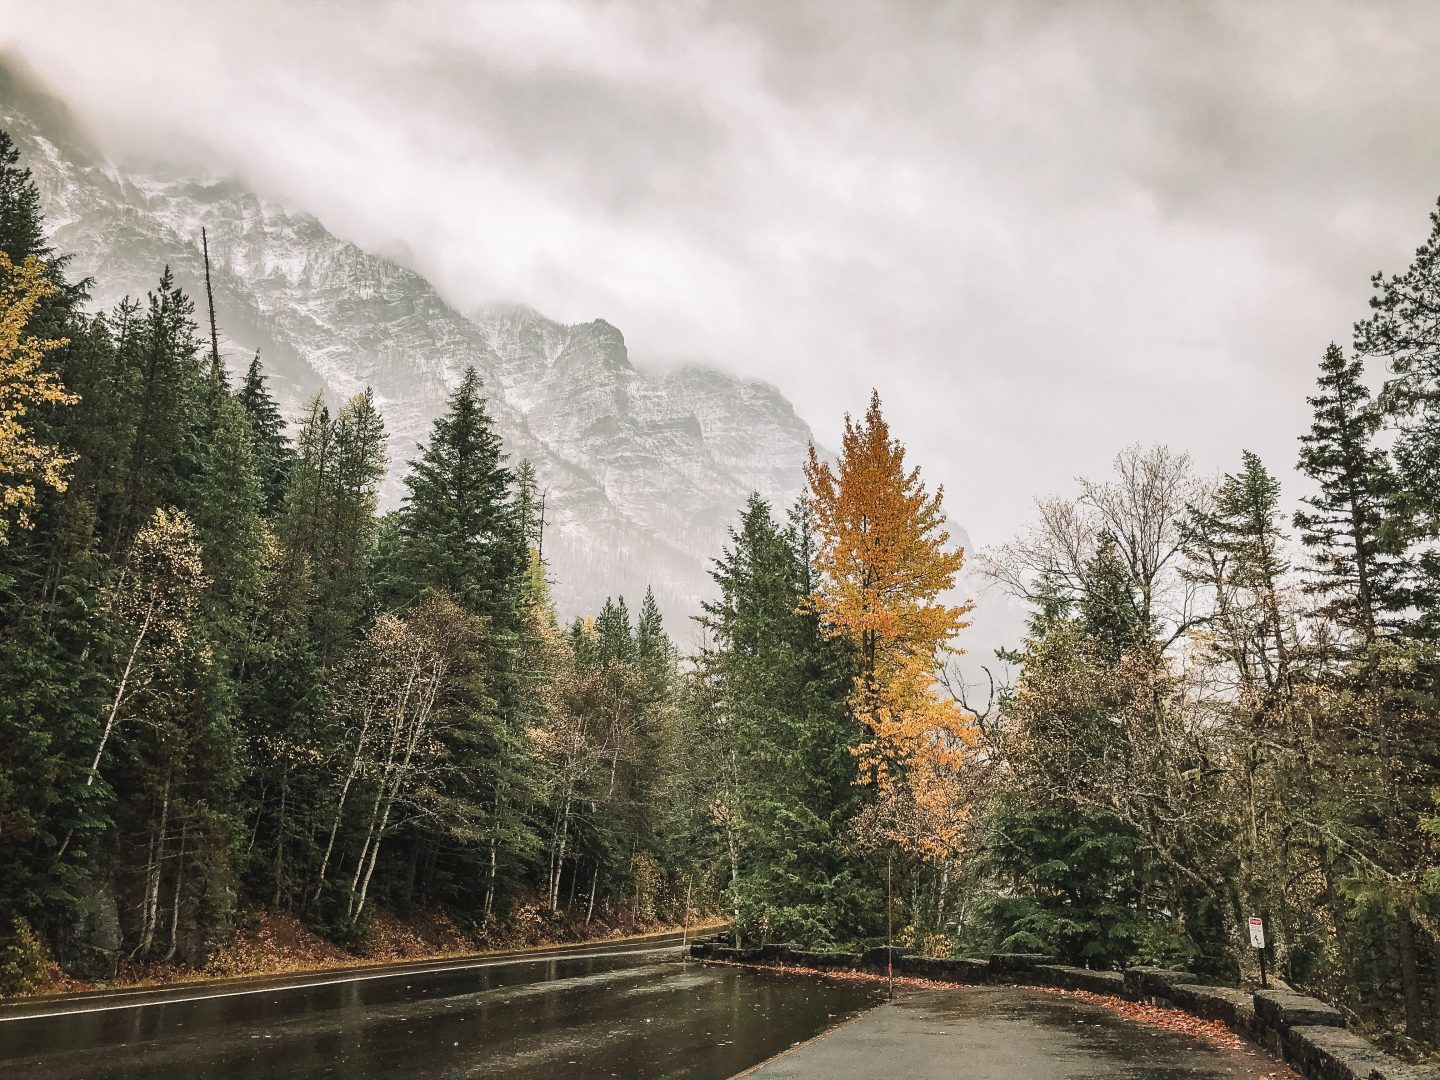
[(1257, 933)]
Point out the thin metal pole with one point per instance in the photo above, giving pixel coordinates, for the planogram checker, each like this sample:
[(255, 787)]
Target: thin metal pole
[(889, 927)]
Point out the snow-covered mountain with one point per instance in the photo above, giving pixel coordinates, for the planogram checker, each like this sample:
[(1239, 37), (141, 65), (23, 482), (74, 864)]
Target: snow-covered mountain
[(645, 470)]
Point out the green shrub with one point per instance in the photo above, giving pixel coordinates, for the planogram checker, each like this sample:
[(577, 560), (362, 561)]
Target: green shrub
[(25, 963)]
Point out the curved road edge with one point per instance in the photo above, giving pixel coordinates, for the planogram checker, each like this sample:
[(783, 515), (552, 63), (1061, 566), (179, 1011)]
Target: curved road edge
[(139, 996)]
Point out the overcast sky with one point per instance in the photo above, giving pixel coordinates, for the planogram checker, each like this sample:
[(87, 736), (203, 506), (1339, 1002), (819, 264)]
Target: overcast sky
[(1041, 232)]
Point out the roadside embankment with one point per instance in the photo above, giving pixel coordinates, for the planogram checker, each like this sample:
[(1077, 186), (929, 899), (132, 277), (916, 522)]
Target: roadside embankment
[(275, 943)]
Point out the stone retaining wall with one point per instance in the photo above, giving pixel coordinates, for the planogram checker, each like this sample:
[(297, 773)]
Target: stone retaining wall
[(1309, 1034)]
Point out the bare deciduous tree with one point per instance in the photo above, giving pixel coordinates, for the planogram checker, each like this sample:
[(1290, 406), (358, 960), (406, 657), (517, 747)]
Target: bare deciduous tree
[(1141, 508)]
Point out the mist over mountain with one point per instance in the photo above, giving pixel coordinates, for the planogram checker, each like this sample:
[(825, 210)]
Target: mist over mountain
[(644, 471)]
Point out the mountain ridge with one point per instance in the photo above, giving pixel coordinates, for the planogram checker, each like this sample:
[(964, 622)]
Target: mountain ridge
[(646, 470)]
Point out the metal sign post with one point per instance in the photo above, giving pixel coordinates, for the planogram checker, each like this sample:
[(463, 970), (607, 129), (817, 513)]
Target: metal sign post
[(1257, 942), (889, 929)]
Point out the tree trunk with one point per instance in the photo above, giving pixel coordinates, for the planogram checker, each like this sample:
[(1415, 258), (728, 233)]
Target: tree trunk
[(280, 835), (560, 854), (119, 698), (380, 789), (941, 895), (399, 776), (490, 886), (151, 903), (350, 912), (374, 855), (114, 713), (216, 368), (1410, 977), (175, 901), (350, 775)]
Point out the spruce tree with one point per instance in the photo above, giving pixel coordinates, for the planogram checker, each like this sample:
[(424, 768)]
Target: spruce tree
[(347, 525), (22, 228), (1347, 529), (1376, 565), (617, 639), (653, 650), (225, 498), (163, 399), (268, 441), (1240, 533), (530, 502), (1108, 607), (307, 487), (1402, 331), (459, 530), (782, 687)]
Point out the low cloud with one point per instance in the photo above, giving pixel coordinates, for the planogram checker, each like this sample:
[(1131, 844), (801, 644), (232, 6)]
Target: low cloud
[(1042, 231)]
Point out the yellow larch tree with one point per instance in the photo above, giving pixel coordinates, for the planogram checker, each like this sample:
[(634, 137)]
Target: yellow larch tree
[(884, 563), (26, 464)]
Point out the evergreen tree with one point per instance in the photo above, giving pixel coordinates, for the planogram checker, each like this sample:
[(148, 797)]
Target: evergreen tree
[(1108, 608), (300, 526), (654, 653), (649, 627), (782, 688), (1346, 528), (225, 498), (327, 527), (268, 442), (347, 524), (1359, 526), (1242, 540), (616, 638), (530, 502), (459, 529), (161, 414), (1072, 878), (1402, 331), (22, 229)]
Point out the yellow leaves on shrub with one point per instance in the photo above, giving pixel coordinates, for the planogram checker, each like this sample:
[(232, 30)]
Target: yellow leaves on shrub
[(26, 464)]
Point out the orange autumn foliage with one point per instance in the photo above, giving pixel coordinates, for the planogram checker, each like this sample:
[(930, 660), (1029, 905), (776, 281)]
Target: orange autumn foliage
[(884, 561)]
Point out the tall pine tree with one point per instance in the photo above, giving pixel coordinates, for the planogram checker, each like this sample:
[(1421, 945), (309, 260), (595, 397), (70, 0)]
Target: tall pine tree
[(460, 530), (781, 693), (268, 441)]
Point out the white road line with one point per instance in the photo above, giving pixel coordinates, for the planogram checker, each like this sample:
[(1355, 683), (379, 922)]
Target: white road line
[(241, 992)]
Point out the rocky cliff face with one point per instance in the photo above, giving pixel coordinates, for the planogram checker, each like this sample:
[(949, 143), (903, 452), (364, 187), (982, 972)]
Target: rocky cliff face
[(645, 470)]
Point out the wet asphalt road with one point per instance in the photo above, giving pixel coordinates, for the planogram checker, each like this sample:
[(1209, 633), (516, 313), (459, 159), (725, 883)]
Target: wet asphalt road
[(631, 1010), (615, 1014), (1008, 1033)]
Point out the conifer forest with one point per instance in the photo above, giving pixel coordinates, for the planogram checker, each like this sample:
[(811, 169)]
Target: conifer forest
[(233, 687)]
